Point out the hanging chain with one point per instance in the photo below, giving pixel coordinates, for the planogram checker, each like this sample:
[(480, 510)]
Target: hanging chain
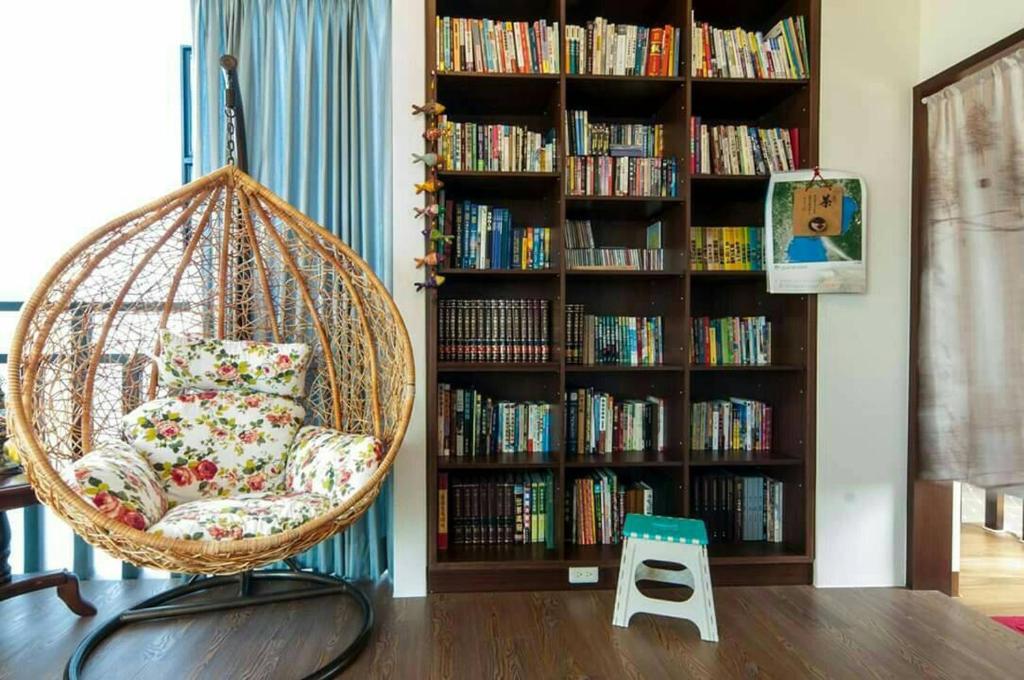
[(229, 113)]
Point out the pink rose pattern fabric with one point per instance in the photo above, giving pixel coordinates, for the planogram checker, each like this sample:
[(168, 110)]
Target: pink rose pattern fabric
[(245, 516), (332, 463), (210, 444), (120, 483), (197, 362)]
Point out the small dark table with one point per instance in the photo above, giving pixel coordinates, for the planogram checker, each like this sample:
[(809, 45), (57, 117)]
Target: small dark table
[(15, 492)]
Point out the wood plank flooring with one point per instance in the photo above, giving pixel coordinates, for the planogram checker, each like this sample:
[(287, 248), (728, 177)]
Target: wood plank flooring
[(779, 632), (991, 571)]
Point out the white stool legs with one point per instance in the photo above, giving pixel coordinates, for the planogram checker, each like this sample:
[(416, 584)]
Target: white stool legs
[(699, 608)]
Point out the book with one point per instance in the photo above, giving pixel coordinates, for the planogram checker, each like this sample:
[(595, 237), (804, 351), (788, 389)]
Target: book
[(494, 331), (732, 424), (582, 253), (494, 46), (474, 425), (741, 149), (442, 511), (597, 505), (509, 509), (612, 340), (731, 341), (736, 53), (486, 147), (621, 176), (484, 237), (727, 248), (598, 423), (738, 508), (586, 138), (603, 48)]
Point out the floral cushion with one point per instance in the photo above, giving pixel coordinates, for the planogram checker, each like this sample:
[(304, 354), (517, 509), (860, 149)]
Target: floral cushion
[(332, 463), (206, 444), (194, 361), (120, 483), (245, 516)]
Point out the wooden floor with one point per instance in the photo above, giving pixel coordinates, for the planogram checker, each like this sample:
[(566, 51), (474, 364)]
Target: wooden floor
[(784, 632), (991, 571)]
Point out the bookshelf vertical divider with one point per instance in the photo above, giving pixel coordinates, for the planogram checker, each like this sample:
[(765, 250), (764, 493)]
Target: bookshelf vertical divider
[(677, 294)]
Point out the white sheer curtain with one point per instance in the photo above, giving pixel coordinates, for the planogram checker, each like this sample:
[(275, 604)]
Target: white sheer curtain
[(971, 334)]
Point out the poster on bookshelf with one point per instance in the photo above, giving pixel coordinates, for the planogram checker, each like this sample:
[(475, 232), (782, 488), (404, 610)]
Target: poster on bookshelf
[(816, 232)]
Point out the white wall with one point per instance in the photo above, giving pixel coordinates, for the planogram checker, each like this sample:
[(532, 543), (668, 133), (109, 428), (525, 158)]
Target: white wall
[(410, 480), (952, 30), (868, 68)]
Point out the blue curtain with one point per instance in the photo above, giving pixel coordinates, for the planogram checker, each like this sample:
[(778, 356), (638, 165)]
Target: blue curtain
[(314, 76)]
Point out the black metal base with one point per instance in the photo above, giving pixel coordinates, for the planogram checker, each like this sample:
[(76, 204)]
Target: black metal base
[(158, 607)]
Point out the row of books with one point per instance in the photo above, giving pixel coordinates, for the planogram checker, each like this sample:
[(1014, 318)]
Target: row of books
[(604, 48), (598, 504), (495, 46), (622, 176), (639, 140), (739, 507), (579, 234), (726, 248), (510, 509), (627, 259), (504, 331), (612, 340), (470, 424), (731, 341), (484, 147), (597, 422), (485, 238), (742, 150), (736, 53), (730, 425)]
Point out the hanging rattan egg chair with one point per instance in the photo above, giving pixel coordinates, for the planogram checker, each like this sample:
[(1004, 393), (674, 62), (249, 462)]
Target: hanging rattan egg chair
[(222, 257)]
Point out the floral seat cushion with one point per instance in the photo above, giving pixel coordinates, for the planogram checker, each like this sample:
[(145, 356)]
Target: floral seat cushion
[(120, 483), (197, 362), (210, 444), (245, 516), (332, 463)]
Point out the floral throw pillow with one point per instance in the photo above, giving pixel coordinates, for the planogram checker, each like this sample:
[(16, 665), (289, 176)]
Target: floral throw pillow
[(208, 444), (194, 361), (119, 482), (332, 463), (247, 516)]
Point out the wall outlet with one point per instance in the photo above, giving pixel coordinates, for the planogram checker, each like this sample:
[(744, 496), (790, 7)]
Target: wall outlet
[(583, 574)]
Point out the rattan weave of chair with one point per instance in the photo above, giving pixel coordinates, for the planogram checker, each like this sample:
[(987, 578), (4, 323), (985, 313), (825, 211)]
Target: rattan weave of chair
[(222, 257)]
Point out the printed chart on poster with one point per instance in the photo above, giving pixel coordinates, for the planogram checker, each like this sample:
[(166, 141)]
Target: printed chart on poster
[(816, 232)]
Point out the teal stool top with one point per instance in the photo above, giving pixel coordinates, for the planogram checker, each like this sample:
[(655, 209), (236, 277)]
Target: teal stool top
[(669, 529)]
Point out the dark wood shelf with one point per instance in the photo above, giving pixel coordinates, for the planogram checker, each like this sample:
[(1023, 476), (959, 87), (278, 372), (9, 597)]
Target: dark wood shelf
[(468, 556), (771, 368), (611, 368), (498, 461), (740, 458), (473, 367), (625, 459), (501, 273), (677, 294)]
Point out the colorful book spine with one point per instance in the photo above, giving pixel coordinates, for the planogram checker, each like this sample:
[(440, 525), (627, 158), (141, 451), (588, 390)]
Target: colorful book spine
[(483, 237), (500, 510), (485, 147), (727, 248), (489, 331), (597, 505), (613, 340), (781, 53), (621, 176), (742, 149), (493, 46), (598, 423), (603, 48), (731, 341), (732, 424), (474, 425), (738, 508), (586, 138)]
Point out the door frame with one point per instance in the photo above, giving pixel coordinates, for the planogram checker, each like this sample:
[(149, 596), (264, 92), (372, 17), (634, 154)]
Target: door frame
[(930, 504)]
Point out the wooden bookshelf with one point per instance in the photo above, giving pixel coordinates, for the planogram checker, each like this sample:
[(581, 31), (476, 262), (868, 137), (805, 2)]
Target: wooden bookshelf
[(676, 294)]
